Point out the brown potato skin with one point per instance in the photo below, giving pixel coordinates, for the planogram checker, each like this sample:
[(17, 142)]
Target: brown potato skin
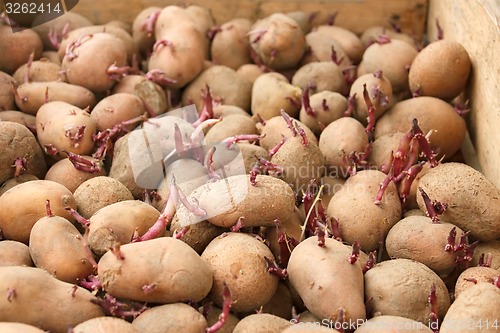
[(18, 328), (432, 114), (336, 106), (281, 303), (65, 173), (139, 34), (275, 128), (244, 271), (325, 273), (18, 142), (116, 108), (380, 324), (473, 201), (474, 275), (383, 148), (10, 183), (232, 125), (230, 46), (99, 192), (19, 45), (213, 317), (478, 304), (21, 118), (441, 70), (360, 219), (65, 258), (173, 270), (352, 45), (325, 75), (116, 223), (16, 222), (492, 247), (261, 323), (14, 253), (249, 72), (6, 94), (170, 318), (372, 82), (41, 71), (400, 287), (105, 325), (35, 289), (321, 49), (34, 92)]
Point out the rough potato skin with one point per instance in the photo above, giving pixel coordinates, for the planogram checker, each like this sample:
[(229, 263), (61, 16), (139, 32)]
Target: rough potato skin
[(281, 304), (400, 287), (170, 318), (441, 70), (16, 222), (6, 96), (324, 273), (18, 142), (167, 268), (116, 223), (383, 147), (19, 45), (474, 275), (261, 323), (18, 328), (41, 71), (14, 253), (325, 75), (360, 219), (473, 201), (492, 247), (20, 118), (336, 105), (213, 317), (381, 324), (231, 125), (275, 128), (199, 234), (99, 192), (36, 291), (432, 114), (226, 200), (116, 108), (238, 260), (105, 325), (478, 304), (419, 239), (225, 158)]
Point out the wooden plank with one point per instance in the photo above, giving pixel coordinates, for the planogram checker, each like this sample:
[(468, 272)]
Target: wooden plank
[(475, 24), (356, 15)]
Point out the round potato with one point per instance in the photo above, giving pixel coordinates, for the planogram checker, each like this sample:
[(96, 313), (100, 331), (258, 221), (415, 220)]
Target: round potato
[(170, 318)]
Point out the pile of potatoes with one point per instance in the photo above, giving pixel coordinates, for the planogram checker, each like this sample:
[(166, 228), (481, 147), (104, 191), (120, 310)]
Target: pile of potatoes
[(351, 209)]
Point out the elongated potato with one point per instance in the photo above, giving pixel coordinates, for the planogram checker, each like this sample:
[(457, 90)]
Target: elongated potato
[(473, 201), (14, 253), (20, 118), (162, 270), (33, 289), (10, 183), (104, 325), (39, 71), (324, 273), (170, 318), (232, 125), (20, 45)]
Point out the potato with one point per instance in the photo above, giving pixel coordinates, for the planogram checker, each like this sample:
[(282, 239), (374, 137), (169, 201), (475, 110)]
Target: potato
[(308, 328), (120, 24), (213, 317), (162, 270), (35, 94), (474, 275), (432, 114), (324, 273), (342, 137), (281, 303), (99, 192), (16, 181), (350, 43), (379, 90), (21, 118), (396, 324), (17, 221), (301, 162), (321, 45), (370, 35), (275, 128), (227, 161), (204, 21), (33, 289), (232, 125), (6, 95), (18, 327), (261, 323), (20, 45), (250, 72), (116, 223), (244, 271), (473, 201), (52, 56), (199, 234), (67, 22), (66, 257), (222, 111), (228, 199), (97, 53), (393, 59), (170, 318), (18, 142), (477, 306), (383, 148), (230, 46), (278, 41), (327, 107), (114, 109), (492, 247), (237, 93), (419, 239), (40, 71), (271, 93), (432, 74), (140, 34), (65, 173), (323, 75), (104, 325), (400, 287), (66, 127), (302, 20), (359, 217), (14, 253)]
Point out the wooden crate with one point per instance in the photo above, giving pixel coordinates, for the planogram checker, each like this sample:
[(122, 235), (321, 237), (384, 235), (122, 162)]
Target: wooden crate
[(473, 23)]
